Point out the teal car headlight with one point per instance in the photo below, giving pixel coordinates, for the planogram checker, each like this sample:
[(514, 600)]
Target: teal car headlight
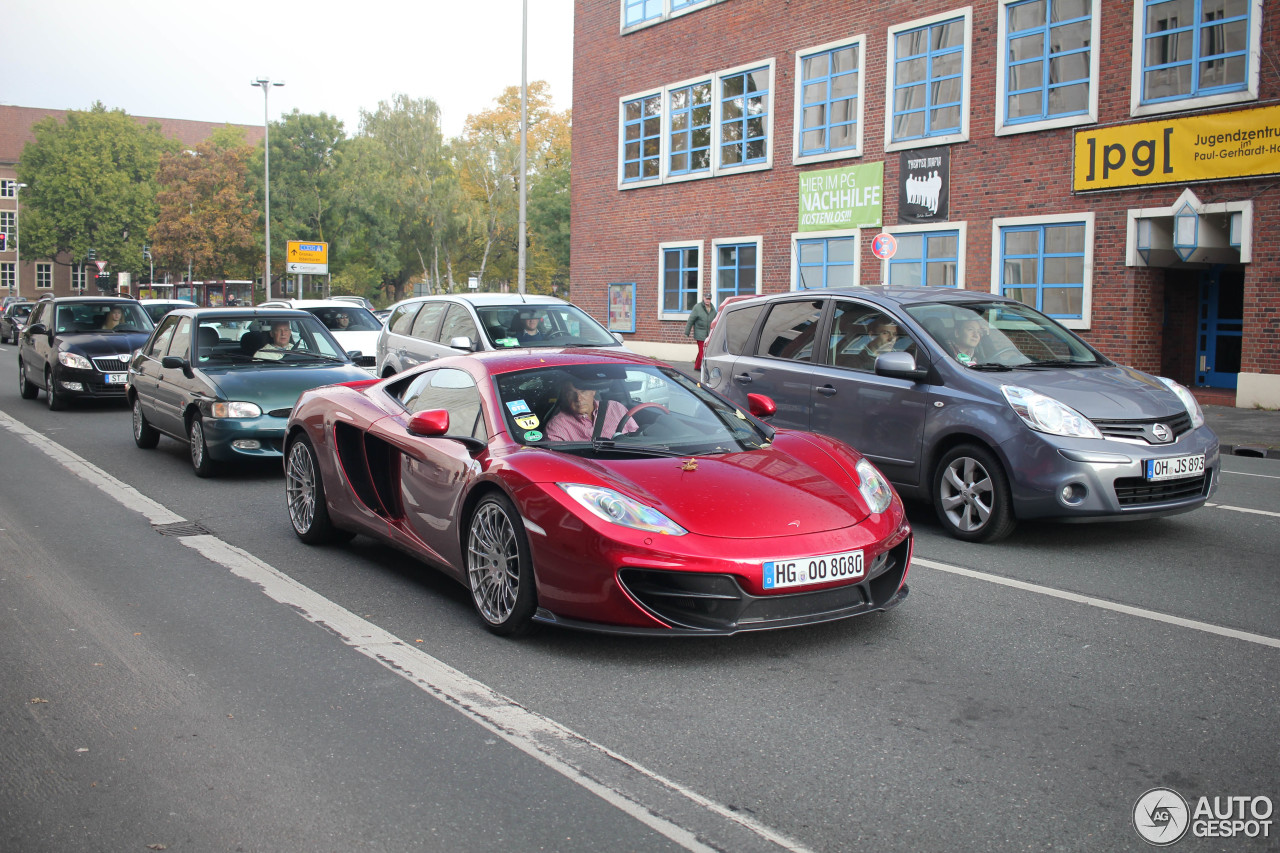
[(234, 409), (1188, 400), (74, 359), (874, 488), (1045, 414), (618, 508)]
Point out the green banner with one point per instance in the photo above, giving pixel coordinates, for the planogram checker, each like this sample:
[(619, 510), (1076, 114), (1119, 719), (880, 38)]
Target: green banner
[(849, 197)]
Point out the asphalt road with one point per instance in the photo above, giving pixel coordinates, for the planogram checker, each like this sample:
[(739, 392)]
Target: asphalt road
[(240, 690)]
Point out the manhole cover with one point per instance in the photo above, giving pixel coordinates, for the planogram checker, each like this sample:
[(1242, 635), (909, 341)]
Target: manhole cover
[(181, 528)]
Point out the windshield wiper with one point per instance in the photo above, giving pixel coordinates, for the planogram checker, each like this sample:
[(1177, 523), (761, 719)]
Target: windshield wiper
[(608, 444), (1061, 362), (995, 367)]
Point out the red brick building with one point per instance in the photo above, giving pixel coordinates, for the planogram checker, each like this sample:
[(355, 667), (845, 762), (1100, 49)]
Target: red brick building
[(61, 276), (1115, 163)]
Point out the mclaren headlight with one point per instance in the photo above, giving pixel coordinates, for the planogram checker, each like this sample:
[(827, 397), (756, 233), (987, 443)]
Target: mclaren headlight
[(875, 489), (620, 509)]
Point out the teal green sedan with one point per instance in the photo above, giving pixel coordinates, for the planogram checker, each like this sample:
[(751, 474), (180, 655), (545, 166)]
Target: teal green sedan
[(223, 380)]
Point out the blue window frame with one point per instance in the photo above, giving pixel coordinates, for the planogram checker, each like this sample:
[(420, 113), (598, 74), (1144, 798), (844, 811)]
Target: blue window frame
[(679, 279), (1192, 48), (929, 258), (1047, 51), (829, 84), (744, 117), (641, 138), (826, 262), (736, 270), (928, 80), (1043, 266), (639, 11), (690, 138)]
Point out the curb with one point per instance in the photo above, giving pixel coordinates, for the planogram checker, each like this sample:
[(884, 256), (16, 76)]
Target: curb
[(1257, 451)]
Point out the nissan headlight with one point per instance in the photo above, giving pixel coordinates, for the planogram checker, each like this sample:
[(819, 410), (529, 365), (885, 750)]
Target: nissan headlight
[(620, 509), (74, 359), (1188, 400), (232, 409), (874, 488), (1045, 414)]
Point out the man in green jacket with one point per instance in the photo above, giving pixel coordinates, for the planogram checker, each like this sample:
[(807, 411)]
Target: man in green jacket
[(699, 323)]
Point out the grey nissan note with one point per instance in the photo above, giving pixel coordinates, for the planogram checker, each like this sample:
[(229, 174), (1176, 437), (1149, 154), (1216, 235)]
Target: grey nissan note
[(979, 404)]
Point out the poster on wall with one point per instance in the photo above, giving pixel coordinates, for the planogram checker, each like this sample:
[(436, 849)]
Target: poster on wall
[(622, 307), (836, 199), (924, 184)]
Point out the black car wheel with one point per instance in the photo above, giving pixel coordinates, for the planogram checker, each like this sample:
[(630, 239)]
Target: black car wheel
[(52, 397), (971, 495), (26, 387), (200, 461), (304, 493), (499, 567), (144, 434)]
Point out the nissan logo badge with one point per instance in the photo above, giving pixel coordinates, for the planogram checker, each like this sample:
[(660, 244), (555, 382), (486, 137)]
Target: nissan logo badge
[(1161, 432)]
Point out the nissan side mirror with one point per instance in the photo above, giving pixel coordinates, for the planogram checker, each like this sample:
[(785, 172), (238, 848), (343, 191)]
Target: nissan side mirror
[(899, 365), (463, 343)]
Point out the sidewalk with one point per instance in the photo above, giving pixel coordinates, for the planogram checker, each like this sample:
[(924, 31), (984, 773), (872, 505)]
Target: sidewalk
[(1242, 432)]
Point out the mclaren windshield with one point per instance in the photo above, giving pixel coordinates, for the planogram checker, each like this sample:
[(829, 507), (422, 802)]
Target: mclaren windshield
[(623, 409)]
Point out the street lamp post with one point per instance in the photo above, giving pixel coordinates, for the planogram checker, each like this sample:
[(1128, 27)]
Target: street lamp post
[(266, 84), (146, 253), (17, 242)]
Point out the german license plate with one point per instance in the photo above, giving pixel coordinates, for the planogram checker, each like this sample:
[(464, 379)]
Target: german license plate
[(1175, 467), (801, 571), (117, 378)]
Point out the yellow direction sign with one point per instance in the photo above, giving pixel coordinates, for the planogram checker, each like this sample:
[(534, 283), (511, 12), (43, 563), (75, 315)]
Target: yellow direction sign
[(312, 258)]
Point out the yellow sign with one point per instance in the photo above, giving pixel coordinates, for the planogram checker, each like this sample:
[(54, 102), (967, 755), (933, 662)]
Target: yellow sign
[(306, 257), (1238, 144)]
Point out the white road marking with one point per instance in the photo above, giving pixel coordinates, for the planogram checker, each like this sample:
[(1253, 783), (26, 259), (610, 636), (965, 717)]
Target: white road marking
[(670, 809), (1251, 474), (1244, 509), (1102, 604)]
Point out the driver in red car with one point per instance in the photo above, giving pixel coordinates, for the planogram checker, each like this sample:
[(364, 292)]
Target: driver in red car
[(576, 417)]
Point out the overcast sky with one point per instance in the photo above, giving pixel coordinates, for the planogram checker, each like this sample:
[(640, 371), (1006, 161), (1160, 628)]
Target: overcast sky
[(182, 59)]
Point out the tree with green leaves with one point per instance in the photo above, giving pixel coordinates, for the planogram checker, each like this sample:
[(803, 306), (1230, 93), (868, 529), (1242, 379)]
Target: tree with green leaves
[(207, 212), (489, 168), (91, 185)]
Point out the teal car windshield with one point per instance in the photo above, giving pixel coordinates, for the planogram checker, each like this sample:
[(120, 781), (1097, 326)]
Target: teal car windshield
[(291, 340), (621, 409), (1002, 335)]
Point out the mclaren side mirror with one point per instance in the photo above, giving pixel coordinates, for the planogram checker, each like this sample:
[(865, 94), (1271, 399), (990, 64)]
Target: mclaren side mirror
[(761, 406), (432, 422)]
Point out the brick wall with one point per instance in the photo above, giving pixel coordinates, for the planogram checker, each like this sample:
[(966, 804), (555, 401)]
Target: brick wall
[(615, 233)]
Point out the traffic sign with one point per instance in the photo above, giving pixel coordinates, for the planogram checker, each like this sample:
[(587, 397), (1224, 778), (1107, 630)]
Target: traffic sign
[(303, 257), (884, 245), (102, 265)]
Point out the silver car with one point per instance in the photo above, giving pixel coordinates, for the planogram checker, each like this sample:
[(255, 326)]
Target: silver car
[(423, 328), (976, 403)]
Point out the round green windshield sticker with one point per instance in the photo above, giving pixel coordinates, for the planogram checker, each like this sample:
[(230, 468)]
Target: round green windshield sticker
[(533, 435)]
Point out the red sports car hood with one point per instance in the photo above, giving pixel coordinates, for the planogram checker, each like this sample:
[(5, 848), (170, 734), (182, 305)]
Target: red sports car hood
[(794, 487)]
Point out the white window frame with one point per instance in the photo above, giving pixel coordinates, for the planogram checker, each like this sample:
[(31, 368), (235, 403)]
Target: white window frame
[(966, 14), (1086, 302), (756, 240), (8, 276), (44, 269), (797, 236), (622, 142), (9, 225), (1002, 77), (667, 14), (8, 188), (798, 116), (933, 227), (679, 316), (664, 154), (1249, 93), (79, 278)]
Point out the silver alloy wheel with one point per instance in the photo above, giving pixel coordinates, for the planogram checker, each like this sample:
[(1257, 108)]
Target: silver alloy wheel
[(137, 420), (197, 444), (967, 494), (493, 563), (300, 487)]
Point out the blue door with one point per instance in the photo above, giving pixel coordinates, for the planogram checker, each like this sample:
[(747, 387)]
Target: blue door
[(1220, 327)]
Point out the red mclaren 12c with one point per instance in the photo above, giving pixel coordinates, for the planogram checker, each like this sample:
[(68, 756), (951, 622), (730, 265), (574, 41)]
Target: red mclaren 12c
[(600, 491)]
